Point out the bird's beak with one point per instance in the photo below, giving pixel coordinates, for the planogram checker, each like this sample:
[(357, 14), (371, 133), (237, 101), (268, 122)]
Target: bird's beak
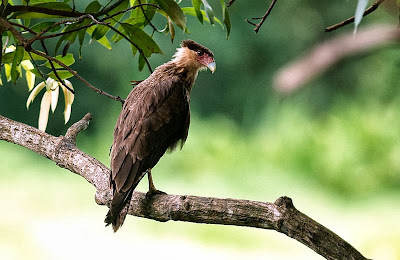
[(212, 66)]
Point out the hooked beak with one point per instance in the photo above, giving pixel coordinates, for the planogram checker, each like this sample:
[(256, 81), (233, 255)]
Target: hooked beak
[(212, 66)]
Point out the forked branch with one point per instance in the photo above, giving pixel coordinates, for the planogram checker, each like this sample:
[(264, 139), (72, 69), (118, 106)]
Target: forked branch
[(258, 26), (281, 215)]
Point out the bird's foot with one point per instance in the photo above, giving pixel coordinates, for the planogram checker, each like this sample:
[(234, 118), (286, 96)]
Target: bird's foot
[(153, 192), (152, 189)]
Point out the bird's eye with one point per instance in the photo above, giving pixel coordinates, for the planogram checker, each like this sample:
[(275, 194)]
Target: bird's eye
[(200, 53)]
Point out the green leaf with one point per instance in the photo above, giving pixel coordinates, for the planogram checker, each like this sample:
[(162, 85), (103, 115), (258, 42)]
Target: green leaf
[(7, 68), (67, 60), (171, 29), (93, 7), (190, 11), (117, 37), (81, 35), (361, 6), (142, 39), (134, 51), (99, 32), (174, 12), (226, 18), (9, 57), (37, 73), (38, 1), (209, 11), (105, 42), (43, 25), (19, 55), (63, 74), (30, 77), (196, 5), (138, 18), (141, 62), (71, 37)]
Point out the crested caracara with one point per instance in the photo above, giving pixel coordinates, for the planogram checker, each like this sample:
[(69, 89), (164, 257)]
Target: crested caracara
[(155, 117)]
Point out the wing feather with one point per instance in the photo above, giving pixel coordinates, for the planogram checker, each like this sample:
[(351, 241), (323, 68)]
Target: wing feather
[(153, 118)]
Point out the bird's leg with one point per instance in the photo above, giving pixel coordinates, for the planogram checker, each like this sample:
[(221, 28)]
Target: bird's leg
[(152, 189)]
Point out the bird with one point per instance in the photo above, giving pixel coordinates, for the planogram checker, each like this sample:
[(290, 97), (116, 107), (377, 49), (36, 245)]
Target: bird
[(155, 117)]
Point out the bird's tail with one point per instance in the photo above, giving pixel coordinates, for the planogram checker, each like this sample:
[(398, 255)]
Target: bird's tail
[(117, 212)]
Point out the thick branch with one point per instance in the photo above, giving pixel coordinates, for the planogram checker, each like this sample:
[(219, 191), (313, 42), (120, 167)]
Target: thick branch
[(60, 150), (281, 215), (36, 9)]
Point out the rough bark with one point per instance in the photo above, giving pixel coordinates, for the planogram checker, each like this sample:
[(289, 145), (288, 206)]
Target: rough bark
[(281, 215)]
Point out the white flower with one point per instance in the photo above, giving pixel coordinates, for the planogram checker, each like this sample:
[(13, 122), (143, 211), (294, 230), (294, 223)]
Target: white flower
[(50, 99)]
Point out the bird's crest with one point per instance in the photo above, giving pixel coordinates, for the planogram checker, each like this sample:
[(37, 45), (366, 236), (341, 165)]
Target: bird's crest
[(192, 45)]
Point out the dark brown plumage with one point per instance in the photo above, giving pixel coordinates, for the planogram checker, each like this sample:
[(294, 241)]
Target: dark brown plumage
[(155, 117)]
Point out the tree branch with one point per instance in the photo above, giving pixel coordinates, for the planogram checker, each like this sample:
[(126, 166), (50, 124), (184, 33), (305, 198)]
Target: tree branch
[(258, 26), (230, 3), (323, 56), (43, 10), (281, 215), (369, 10)]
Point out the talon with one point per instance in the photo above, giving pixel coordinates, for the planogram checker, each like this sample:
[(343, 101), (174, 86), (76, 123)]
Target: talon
[(152, 193), (152, 189)]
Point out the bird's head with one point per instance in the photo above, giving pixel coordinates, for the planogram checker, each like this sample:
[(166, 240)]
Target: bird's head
[(194, 55)]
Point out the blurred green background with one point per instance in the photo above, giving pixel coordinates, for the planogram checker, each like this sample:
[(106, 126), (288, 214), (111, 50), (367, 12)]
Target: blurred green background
[(333, 146)]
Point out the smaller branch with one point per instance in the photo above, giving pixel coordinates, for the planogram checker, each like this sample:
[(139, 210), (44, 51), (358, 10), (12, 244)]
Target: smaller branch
[(66, 32), (72, 20), (8, 26), (99, 91), (350, 20), (108, 9), (100, 21), (54, 69), (147, 18), (325, 55), (128, 9), (43, 10), (36, 65), (73, 130), (258, 26), (230, 3), (23, 27)]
